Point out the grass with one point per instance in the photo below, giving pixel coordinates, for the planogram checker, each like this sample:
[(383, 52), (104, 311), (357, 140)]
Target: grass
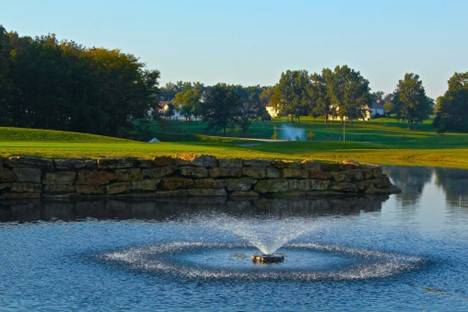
[(381, 141)]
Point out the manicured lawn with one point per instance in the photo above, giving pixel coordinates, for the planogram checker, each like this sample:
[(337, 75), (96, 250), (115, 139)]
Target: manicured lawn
[(380, 141)]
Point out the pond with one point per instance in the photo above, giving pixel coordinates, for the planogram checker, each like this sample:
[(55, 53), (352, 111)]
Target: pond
[(408, 252)]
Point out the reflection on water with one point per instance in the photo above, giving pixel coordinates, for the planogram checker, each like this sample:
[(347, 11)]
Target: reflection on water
[(412, 180), (184, 209), (455, 185), (406, 252)]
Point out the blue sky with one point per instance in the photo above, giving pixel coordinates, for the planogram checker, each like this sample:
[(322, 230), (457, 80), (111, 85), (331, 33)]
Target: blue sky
[(252, 42)]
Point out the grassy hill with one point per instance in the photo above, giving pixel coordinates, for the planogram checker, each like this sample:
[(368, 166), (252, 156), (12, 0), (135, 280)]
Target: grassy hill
[(382, 141)]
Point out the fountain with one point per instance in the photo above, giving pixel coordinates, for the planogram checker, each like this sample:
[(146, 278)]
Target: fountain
[(267, 235), (290, 133), (268, 248)]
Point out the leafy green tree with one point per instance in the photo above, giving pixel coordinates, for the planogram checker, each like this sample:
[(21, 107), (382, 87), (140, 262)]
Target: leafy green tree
[(410, 101), (320, 99), (294, 90), (47, 83), (349, 94), (220, 107), (452, 107), (251, 106), (188, 100), (5, 83), (170, 89), (270, 97)]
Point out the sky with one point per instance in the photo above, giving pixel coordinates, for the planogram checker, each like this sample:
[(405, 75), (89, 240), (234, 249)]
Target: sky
[(252, 41)]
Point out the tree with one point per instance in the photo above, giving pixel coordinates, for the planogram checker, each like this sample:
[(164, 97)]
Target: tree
[(349, 94), (188, 100), (47, 83), (5, 83), (452, 107), (410, 101), (170, 89), (320, 99), (270, 97), (220, 107), (251, 106), (294, 90)]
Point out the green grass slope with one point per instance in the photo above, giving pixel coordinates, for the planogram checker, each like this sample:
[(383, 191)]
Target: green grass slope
[(401, 147)]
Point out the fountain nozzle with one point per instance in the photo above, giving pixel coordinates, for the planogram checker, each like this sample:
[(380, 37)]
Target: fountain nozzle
[(267, 259)]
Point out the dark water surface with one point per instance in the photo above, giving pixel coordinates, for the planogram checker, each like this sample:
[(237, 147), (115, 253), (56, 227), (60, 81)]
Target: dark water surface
[(406, 252)]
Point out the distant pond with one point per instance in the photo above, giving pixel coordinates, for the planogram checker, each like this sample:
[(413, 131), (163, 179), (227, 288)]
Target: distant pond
[(404, 252)]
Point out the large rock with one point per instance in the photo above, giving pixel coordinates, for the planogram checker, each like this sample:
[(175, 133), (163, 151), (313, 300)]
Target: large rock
[(230, 162), (340, 176), (318, 185), (60, 177), (242, 184), (195, 172), (68, 164), (7, 175), (259, 163), (117, 163), (254, 172), (29, 162), (158, 172), (355, 175), (298, 185), (319, 174), (272, 172), (95, 177), (24, 174), (130, 174), (175, 183), (208, 183), (147, 185), (345, 187), (204, 161), (163, 161), (225, 172), (311, 165), (117, 188), (295, 173), (145, 163)]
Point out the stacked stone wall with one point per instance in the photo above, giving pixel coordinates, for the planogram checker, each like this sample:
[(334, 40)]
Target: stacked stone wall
[(200, 176)]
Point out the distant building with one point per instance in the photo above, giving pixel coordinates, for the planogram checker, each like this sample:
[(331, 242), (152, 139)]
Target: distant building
[(377, 108), (272, 111), (168, 110)]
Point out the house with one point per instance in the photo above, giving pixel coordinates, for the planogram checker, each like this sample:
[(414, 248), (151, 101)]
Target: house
[(272, 111), (167, 110), (377, 109)]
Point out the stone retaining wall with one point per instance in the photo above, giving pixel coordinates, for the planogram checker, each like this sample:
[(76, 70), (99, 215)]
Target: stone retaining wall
[(31, 177)]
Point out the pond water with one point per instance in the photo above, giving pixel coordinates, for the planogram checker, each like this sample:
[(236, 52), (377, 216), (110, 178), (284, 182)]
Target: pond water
[(404, 252)]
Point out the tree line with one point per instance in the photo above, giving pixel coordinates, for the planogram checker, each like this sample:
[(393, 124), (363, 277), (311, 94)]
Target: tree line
[(221, 106), (342, 93), (47, 83)]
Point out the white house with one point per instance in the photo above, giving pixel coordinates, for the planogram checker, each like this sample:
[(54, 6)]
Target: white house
[(272, 111)]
